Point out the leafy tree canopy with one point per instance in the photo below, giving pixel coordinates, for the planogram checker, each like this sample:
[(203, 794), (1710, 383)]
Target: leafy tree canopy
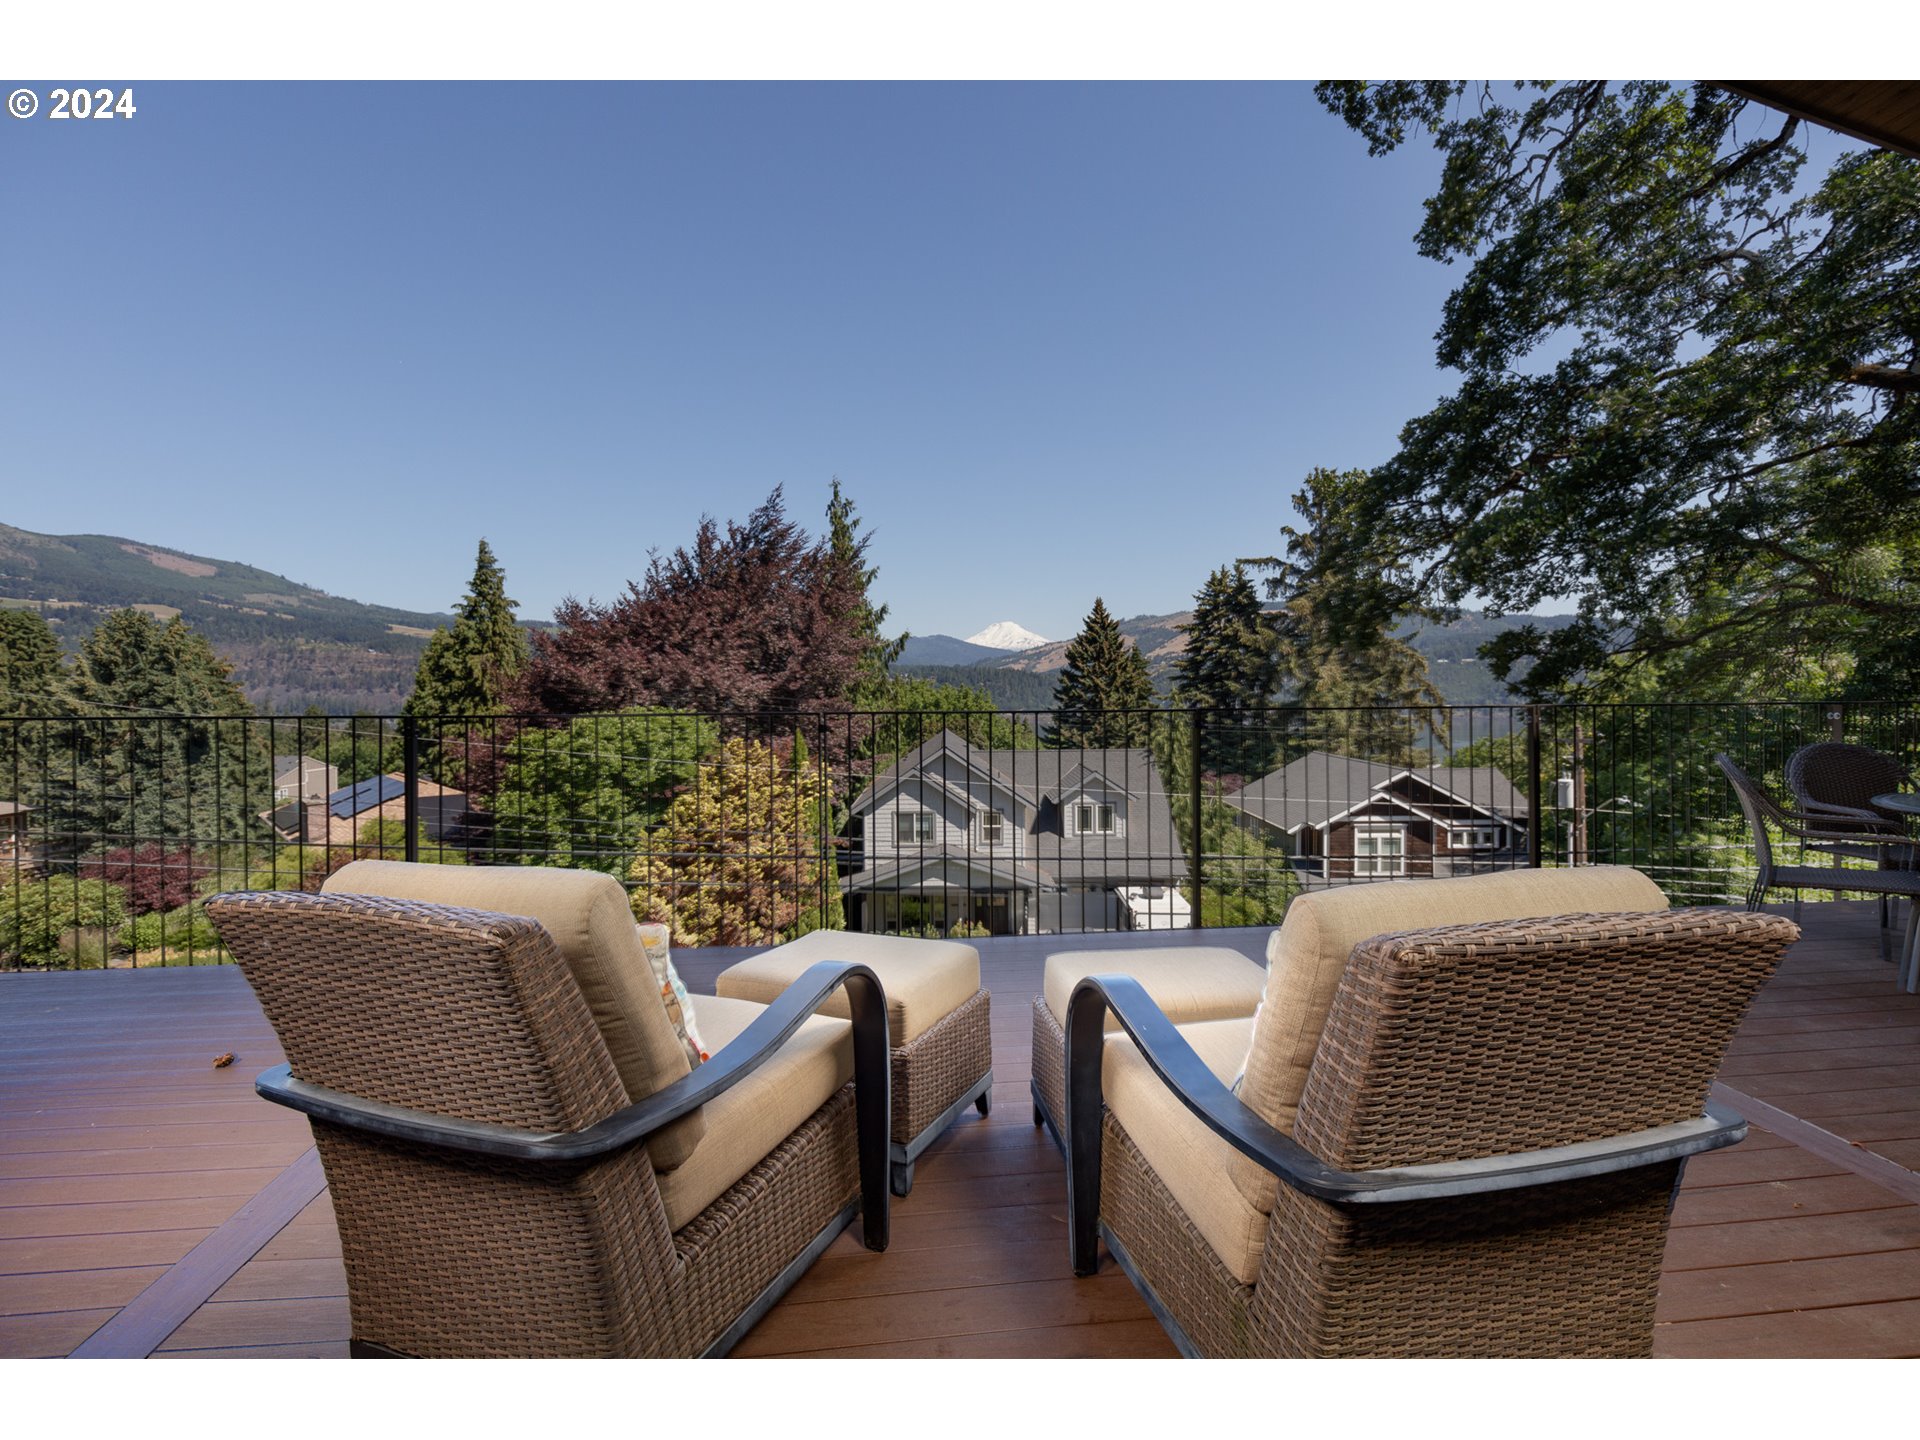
[(739, 859), (1104, 690), (911, 709), (756, 617), (1686, 392), (585, 794)]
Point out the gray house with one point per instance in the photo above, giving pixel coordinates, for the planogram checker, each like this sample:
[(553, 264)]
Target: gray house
[(301, 777), (1349, 819), (1017, 841)]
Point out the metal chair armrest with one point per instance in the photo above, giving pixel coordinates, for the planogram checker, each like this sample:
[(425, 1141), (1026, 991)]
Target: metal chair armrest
[(872, 1079), (1831, 813), (1171, 1058)]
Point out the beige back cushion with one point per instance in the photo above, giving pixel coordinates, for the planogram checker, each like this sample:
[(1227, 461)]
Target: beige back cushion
[(1307, 954), (588, 917)]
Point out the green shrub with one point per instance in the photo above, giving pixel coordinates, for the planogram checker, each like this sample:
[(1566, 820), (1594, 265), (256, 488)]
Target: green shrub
[(186, 929), (87, 949), (35, 914)]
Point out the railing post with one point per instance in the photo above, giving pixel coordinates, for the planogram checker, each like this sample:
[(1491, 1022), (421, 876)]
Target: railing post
[(1837, 721), (1195, 871), (1536, 811), (410, 739)]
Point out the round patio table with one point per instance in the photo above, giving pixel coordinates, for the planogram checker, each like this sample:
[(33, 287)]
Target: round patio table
[(1898, 801)]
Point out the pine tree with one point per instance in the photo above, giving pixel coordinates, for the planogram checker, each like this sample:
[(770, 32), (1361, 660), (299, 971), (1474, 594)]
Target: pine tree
[(34, 678), (467, 667), (165, 749), (1231, 664), (1103, 689), (1365, 690), (847, 549)]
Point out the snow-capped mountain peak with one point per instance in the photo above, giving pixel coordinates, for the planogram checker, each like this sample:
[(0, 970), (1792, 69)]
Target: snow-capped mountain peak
[(1005, 635)]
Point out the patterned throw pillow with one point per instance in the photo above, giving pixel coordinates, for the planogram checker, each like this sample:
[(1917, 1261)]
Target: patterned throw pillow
[(673, 994)]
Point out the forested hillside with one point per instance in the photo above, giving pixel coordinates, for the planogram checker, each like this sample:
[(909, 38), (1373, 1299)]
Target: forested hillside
[(291, 644)]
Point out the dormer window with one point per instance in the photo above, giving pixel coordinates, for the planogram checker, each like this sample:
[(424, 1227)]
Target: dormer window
[(917, 827), (1089, 819), (993, 827)]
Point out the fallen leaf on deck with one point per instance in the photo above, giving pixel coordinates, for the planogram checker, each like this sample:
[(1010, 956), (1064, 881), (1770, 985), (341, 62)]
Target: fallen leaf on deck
[(220, 1062)]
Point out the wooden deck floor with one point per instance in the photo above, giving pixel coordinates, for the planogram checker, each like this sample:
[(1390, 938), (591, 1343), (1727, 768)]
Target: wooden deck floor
[(149, 1203)]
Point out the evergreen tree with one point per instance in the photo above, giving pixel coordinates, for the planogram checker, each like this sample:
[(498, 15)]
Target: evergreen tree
[(1364, 690), (467, 667), (1103, 689), (165, 748), (1231, 664), (466, 673), (847, 549), (35, 681), (34, 678)]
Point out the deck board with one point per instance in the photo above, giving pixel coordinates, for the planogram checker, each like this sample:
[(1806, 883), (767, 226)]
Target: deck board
[(122, 1150)]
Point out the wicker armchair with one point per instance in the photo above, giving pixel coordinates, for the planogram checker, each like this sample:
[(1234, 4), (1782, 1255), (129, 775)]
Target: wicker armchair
[(1836, 781), (1481, 1162), (501, 1187), (1896, 877)]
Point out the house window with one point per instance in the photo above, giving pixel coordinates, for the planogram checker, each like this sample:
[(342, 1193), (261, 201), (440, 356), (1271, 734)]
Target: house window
[(1475, 837), (1093, 819), (1379, 852), (916, 827), (993, 828)]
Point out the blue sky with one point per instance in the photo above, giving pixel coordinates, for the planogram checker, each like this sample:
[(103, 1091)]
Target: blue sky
[(1056, 341)]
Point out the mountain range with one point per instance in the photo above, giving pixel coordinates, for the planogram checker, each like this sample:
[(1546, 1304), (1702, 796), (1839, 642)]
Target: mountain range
[(290, 644), (293, 645), (1023, 679)]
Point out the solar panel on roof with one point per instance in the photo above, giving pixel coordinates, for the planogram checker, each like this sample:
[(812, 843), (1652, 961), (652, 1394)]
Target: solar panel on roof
[(350, 800)]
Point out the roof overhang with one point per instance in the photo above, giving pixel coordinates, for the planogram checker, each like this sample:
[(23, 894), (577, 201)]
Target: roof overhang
[(1881, 112)]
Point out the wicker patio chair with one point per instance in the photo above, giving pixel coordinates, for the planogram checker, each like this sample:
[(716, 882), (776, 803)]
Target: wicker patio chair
[(1895, 878), (500, 1187), (1838, 781), (1482, 1159)]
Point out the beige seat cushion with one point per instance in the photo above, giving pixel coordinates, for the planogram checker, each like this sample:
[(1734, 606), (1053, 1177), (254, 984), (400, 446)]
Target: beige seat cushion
[(1189, 982), (748, 1121), (1308, 953), (925, 980), (587, 915), (1190, 1159)]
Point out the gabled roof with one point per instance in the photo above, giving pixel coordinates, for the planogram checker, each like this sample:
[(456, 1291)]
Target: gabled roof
[(1319, 787), (997, 873), (1150, 850), (991, 764)]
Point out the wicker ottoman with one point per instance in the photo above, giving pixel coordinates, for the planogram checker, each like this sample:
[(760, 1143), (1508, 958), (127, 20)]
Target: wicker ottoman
[(937, 1024), (1188, 982)]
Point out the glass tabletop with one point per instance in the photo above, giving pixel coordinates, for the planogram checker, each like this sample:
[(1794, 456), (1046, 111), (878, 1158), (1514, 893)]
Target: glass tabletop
[(1899, 801)]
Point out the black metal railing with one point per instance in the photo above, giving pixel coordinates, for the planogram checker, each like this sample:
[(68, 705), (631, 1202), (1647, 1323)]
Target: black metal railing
[(752, 828)]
